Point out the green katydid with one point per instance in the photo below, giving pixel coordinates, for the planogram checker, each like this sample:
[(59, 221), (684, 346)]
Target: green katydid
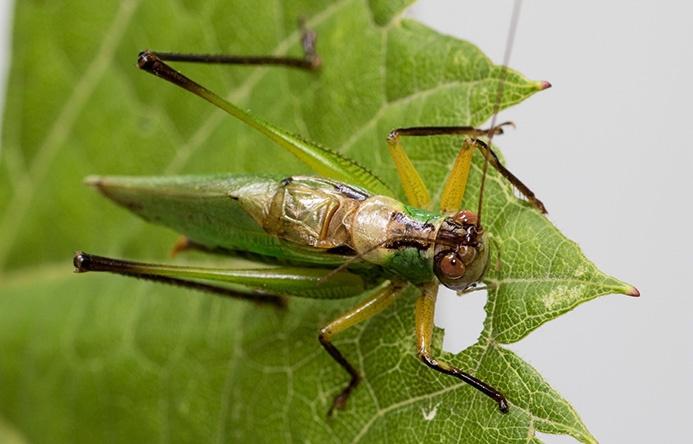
[(342, 232)]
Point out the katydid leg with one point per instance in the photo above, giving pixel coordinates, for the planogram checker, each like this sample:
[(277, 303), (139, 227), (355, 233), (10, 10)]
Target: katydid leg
[(269, 285), (414, 188), (84, 262), (309, 62), (456, 184), (451, 200), (376, 303), (425, 310), (517, 183), (322, 160)]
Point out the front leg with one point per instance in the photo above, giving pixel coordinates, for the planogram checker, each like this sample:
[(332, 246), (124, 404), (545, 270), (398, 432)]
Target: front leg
[(414, 188), (425, 309)]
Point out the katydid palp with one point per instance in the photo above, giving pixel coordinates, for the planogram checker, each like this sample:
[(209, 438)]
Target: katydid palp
[(342, 233)]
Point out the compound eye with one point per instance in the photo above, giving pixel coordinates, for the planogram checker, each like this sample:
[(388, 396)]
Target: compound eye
[(452, 266), (465, 217)]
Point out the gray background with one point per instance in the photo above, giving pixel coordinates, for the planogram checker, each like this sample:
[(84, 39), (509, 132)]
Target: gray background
[(606, 150), (6, 16)]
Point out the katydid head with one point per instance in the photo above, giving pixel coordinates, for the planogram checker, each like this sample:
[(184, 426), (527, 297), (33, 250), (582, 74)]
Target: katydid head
[(461, 255)]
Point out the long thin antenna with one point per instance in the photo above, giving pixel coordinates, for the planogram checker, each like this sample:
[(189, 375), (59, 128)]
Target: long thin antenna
[(517, 6)]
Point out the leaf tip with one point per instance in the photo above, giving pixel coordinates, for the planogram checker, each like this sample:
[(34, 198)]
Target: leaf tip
[(544, 85), (632, 291)]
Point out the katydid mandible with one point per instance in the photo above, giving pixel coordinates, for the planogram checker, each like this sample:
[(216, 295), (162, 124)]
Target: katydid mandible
[(342, 231)]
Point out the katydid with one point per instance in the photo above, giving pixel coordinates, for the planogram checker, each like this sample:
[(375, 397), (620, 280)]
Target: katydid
[(342, 231)]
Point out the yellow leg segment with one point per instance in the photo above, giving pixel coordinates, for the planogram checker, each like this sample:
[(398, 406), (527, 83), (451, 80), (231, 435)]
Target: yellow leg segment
[(425, 309), (414, 188), (451, 200), (375, 304)]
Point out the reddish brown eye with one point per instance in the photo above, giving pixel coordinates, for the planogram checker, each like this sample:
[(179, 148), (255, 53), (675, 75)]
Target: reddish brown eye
[(465, 217), (452, 266)]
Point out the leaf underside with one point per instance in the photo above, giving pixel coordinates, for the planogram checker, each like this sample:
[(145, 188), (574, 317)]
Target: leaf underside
[(103, 358)]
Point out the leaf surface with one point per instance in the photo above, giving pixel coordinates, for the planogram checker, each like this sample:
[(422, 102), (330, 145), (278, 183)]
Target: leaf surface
[(102, 358)]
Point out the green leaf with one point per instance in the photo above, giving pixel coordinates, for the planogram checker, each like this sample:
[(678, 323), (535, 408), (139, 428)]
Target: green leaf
[(104, 358)]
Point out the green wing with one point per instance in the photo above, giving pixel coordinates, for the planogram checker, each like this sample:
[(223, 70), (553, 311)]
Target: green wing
[(216, 211)]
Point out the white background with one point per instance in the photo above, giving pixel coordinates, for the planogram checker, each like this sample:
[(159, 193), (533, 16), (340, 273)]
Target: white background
[(607, 151)]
